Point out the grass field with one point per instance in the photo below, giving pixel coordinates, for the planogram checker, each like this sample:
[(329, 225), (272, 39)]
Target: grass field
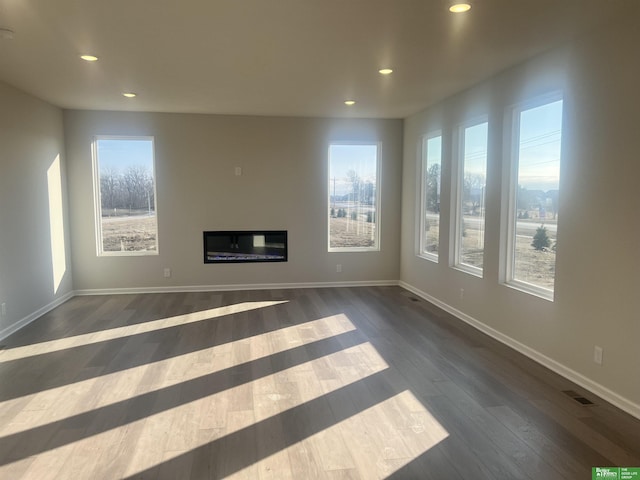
[(348, 233), (129, 234), (532, 266)]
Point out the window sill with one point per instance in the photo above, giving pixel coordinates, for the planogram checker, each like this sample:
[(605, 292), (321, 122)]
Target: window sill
[(471, 270), (353, 249), (428, 256), (148, 253), (531, 289)]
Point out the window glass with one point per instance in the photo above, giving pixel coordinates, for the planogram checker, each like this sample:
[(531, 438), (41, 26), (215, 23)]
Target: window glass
[(353, 197), (471, 197), (536, 186), (126, 222), (430, 208)]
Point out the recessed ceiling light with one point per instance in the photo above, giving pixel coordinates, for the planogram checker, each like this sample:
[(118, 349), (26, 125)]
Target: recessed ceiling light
[(89, 58), (349, 102), (460, 7), (6, 33), (385, 71), (129, 94)]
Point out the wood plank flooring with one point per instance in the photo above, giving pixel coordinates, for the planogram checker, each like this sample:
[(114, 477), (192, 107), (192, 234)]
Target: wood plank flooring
[(335, 383)]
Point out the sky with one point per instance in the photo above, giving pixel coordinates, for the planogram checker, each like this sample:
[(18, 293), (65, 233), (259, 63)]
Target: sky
[(475, 149), (123, 153), (344, 157), (433, 146), (539, 148)]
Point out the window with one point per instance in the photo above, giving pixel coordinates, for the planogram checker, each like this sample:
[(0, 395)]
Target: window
[(470, 202), (124, 192), (353, 197), (431, 154), (534, 187)]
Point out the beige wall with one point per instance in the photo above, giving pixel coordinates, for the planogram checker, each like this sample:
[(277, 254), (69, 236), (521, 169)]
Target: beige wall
[(283, 186), (598, 259), (34, 270)]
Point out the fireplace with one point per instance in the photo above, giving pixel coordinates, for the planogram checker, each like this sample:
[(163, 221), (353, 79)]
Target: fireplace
[(245, 246)]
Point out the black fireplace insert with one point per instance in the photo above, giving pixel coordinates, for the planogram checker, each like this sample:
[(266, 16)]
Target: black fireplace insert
[(245, 246)]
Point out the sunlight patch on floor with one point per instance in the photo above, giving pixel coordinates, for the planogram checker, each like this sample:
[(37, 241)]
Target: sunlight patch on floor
[(245, 406), (193, 423), (135, 329), (374, 443), (56, 404), (348, 411)]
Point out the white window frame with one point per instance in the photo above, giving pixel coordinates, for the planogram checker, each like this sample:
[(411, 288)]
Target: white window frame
[(510, 185), (378, 215), (423, 169), (457, 194), (97, 203)]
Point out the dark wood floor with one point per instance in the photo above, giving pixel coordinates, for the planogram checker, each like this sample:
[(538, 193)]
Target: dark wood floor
[(333, 383)]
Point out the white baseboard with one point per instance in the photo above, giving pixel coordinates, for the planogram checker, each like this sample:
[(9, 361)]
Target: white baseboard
[(5, 332), (227, 288), (619, 401)]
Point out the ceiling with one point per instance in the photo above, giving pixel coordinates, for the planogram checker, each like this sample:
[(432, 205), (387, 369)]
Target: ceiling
[(276, 57)]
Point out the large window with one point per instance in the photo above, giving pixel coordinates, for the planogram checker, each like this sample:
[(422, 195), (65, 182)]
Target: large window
[(353, 197), (534, 187), (470, 192), (431, 156), (125, 200)]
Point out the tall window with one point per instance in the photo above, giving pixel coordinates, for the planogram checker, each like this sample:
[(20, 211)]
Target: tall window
[(125, 200), (471, 186), (534, 188), (430, 206), (353, 197)]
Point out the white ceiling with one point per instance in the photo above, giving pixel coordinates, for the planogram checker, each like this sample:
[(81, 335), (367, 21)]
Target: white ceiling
[(276, 57)]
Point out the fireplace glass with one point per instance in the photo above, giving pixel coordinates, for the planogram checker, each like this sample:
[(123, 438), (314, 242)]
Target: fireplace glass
[(245, 246)]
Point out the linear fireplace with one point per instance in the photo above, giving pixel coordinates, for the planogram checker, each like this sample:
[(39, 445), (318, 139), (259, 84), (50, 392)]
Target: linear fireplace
[(245, 246)]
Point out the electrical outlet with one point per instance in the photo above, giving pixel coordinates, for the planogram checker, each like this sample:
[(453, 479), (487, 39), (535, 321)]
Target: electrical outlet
[(3, 309), (597, 354), (339, 268), (461, 293), (167, 272)]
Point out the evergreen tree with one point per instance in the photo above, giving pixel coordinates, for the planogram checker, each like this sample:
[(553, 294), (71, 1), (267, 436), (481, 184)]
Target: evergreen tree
[(541, 240)]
